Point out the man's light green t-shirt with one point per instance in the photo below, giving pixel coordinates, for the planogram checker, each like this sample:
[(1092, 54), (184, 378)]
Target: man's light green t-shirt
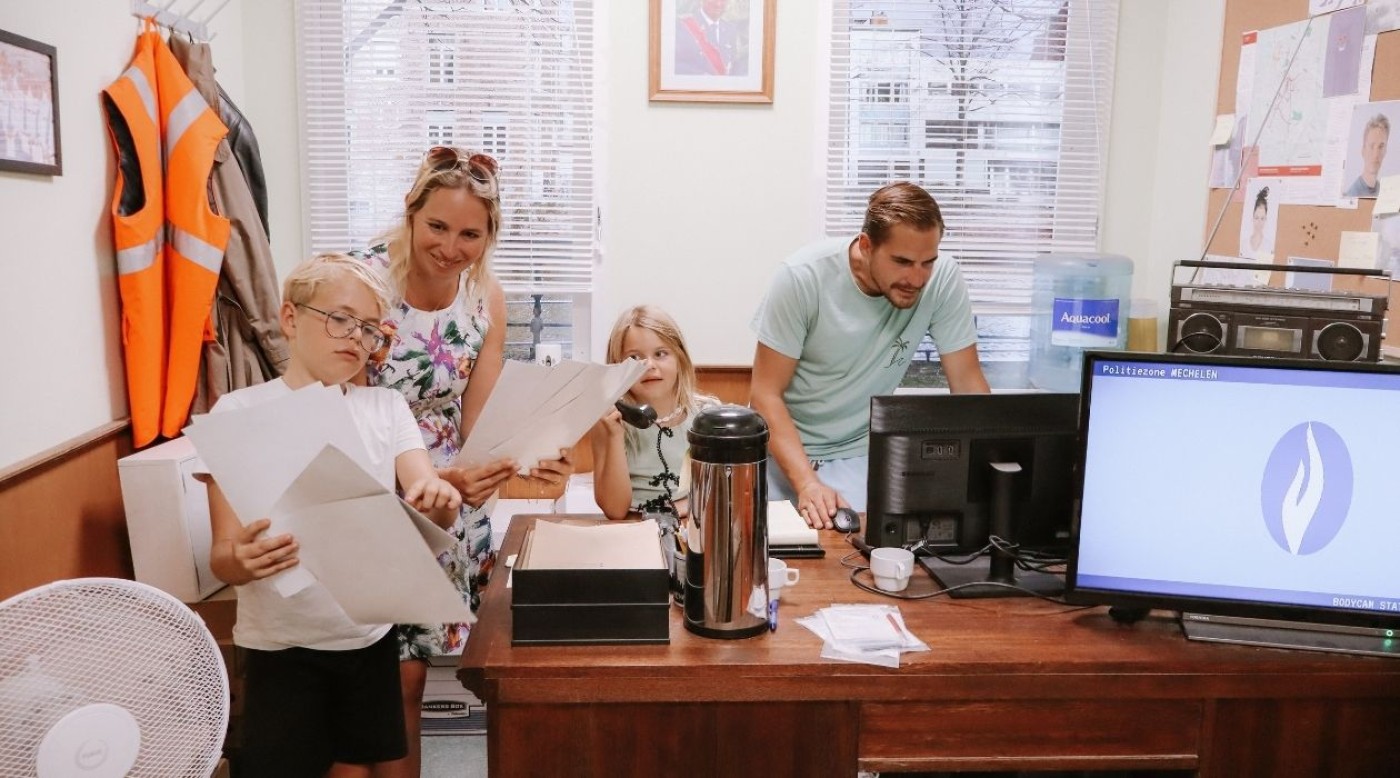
[(850, 346)]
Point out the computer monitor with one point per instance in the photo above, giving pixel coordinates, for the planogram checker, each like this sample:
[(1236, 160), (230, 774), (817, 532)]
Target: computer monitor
[(949, 471), (1256, 496)]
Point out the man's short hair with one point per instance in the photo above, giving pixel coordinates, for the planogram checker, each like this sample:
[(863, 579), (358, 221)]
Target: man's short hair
[(1378, 122), (900, 203)]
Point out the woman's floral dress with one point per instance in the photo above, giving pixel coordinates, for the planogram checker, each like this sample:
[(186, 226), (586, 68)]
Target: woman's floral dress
[(429, 360)]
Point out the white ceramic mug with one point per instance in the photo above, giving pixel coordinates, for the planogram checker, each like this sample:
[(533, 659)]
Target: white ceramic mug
[(780, 575), (891, 568)]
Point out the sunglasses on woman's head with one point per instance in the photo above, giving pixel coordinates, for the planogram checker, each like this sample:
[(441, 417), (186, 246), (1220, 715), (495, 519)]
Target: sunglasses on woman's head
[(480, 166)]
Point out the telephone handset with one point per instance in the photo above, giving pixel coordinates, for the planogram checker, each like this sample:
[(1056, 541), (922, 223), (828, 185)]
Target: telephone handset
[(639, 416)]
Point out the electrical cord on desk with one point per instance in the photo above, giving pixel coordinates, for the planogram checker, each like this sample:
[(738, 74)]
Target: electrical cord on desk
[(859, 584), (1026, 560)]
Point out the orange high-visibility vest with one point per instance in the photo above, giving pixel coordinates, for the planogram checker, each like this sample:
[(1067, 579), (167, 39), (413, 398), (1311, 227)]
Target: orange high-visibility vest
[(197, 236), (138, 226)]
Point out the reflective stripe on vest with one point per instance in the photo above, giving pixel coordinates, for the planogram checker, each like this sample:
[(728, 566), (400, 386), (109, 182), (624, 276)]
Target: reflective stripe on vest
[(198, 236), (138, 230)]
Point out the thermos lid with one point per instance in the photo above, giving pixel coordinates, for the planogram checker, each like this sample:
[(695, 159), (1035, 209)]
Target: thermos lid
[(728, 434)]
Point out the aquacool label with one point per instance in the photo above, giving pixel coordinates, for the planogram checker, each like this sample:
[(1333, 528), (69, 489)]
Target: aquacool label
[(1086, 323)]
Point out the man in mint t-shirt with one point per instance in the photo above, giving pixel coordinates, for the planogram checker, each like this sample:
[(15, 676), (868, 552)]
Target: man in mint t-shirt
[(839, 324)]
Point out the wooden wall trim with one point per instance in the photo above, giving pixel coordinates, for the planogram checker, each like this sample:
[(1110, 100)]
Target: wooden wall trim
[(61, 513), (63, 450)]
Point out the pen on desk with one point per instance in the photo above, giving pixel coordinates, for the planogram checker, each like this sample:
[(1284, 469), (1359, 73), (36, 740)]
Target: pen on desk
[(773, 615), (895, 623)]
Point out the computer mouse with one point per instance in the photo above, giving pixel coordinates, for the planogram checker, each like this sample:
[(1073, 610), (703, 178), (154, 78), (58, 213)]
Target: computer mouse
[(846, 520)]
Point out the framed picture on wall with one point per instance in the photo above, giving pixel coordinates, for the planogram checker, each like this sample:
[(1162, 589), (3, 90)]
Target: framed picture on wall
[(712, 51), (29, 141)]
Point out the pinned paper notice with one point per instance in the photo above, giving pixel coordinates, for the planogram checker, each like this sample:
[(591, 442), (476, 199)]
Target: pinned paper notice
[(1388, 200), (1224, 129), (1358, 250)]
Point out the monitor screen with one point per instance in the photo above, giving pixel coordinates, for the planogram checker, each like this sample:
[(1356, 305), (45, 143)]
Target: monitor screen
[(937, 462), (1257, 488)]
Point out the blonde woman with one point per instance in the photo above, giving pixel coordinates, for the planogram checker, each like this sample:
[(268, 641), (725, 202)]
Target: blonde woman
[(447, 326)]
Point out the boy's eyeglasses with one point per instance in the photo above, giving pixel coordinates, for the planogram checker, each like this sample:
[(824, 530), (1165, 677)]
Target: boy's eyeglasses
[(479, 166), (343, 325)]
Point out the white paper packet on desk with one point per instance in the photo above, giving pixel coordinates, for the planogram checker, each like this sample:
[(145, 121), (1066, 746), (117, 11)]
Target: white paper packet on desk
[(534, 411), (871, 634)]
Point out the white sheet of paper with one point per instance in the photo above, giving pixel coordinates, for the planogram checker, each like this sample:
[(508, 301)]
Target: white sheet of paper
[(787, 528), (374, 553), (531, 387), (633, 545), (1222, 276), (1388, 200), (256, 453), (1224, 128), (1358, 250), (332, 476), (1313, 282), (534, 411), (1334, 152), (1316, 7)]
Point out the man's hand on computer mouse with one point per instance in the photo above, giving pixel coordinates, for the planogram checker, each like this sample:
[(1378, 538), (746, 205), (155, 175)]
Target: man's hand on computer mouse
[(817, 504)]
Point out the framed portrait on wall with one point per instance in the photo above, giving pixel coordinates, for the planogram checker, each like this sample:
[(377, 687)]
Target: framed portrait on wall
[(29, 139), (712, 51)]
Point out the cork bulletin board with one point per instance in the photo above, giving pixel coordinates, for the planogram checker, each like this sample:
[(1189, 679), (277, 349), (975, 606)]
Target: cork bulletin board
[(1303, 230)]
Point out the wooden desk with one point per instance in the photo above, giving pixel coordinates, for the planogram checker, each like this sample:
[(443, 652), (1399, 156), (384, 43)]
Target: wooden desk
[(1008, 685)]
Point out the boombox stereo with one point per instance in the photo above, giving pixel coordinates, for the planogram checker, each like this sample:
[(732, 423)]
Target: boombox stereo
[(1268, 322)]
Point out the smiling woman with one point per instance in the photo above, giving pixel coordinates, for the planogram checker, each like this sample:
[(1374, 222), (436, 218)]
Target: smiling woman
[(445, 332)]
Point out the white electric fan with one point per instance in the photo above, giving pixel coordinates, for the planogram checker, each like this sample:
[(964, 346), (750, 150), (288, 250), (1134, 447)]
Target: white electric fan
[(104, 678)]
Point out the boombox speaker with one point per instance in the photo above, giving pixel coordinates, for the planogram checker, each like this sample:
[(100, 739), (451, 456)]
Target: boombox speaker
[(1270, 322)]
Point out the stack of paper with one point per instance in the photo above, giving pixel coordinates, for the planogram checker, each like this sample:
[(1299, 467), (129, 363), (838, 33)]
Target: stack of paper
[(787, 528), (871, 634), (534, 411), (299, 461), (631, 545)]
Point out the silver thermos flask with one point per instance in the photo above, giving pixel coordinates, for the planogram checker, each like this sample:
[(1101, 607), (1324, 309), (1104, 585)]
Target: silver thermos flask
[(726, 566)]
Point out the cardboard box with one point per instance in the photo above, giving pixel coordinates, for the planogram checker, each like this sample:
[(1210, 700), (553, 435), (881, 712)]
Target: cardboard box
[(448, 708), (590, 606), (167, 519)]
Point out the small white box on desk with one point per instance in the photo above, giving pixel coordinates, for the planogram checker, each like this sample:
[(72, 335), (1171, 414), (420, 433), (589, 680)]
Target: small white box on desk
[(167, 520)]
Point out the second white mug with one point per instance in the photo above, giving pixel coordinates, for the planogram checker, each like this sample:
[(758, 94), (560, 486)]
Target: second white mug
[(891, 568)]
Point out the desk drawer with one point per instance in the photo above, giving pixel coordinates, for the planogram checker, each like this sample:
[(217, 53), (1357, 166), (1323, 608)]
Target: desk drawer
[(1037, 734)]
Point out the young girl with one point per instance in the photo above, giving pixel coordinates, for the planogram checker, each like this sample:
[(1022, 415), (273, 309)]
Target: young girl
[(643, 471)]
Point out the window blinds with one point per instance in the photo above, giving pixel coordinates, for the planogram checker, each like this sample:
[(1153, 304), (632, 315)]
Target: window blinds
[(383, 80), (998, 107)]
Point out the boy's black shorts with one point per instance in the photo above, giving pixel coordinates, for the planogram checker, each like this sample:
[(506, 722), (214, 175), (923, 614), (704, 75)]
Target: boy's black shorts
[(305, 709)]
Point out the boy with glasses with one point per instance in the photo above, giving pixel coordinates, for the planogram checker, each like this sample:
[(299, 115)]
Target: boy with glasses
[(321, 691)]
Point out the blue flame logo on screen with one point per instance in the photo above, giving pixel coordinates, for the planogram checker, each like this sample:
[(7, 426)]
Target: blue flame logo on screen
[(1307, 488)]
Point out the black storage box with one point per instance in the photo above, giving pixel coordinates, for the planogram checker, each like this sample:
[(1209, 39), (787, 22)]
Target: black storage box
[(590, 606)]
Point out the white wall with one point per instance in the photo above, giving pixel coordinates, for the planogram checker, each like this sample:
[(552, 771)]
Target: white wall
[(1159, 149), (701, 201), (62, 374)]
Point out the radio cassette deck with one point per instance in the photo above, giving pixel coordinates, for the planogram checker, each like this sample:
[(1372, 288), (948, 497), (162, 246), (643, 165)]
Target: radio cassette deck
[(1271, 322)]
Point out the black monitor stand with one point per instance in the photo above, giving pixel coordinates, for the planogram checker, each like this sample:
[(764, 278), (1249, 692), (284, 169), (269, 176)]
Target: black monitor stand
[(999, 567)]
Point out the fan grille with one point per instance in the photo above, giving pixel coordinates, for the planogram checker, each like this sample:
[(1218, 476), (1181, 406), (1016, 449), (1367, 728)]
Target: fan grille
[(94, 640)]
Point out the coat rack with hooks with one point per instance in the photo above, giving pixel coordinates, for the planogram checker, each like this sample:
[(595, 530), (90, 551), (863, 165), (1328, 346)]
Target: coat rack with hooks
[(182, 20)]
